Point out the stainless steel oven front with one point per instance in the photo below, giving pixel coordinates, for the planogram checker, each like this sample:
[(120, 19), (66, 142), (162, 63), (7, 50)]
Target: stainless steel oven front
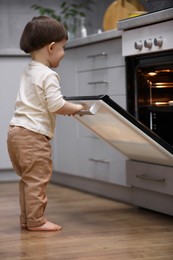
[(148, 53)]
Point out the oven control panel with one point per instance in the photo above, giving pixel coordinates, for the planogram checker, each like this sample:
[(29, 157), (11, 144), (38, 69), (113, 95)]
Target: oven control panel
[(148, 39)]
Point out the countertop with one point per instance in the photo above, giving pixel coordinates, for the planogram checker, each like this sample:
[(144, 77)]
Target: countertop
[(146, 19), (93, 38)]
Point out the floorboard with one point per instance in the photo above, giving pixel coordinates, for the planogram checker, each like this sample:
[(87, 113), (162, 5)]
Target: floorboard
[(93, 228)]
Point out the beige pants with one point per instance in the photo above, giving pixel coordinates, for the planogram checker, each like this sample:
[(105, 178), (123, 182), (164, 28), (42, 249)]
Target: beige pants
[(30, 154)]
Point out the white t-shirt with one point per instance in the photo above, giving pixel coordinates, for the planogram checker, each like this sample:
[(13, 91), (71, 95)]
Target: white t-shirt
[(39, 95)]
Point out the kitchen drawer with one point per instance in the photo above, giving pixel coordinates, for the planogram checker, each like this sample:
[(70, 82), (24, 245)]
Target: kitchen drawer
[(101, 55), (150, 176), (102, 81)]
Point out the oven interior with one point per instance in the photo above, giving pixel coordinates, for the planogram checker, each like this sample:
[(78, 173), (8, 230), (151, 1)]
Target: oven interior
[(150, 92)]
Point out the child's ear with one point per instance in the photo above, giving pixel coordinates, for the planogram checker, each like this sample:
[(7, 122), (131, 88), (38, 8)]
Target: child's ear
[(50, 46)]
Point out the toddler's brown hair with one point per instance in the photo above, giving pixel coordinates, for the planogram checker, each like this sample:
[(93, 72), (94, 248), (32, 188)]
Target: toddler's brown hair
[(40, 31)]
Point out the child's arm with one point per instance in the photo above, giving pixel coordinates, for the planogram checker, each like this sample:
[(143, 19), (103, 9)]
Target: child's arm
[(69, 109)]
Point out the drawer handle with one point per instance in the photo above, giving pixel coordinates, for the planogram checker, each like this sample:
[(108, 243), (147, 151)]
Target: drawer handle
[(146, 178), (98, 82), (103, 54), (98, 160)]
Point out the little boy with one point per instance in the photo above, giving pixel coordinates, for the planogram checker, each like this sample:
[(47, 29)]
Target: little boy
[(38, 101)]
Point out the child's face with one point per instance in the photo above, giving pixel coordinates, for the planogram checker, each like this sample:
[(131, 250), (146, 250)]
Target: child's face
[(56, 53)]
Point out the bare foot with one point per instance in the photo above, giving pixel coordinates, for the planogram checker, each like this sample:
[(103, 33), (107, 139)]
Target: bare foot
[(48, 226)]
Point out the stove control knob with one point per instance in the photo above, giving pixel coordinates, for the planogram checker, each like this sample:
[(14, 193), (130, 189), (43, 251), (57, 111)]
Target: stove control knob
[(148, 43), (138, 45), (158, 41)]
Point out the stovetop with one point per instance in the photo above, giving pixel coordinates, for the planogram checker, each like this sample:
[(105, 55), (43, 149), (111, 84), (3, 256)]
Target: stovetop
[(146, 19)]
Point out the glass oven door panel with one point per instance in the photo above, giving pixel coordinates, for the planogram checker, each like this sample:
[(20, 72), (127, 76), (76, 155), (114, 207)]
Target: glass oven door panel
[(155, 86), (155, 99), (116, 126), (150, 91)]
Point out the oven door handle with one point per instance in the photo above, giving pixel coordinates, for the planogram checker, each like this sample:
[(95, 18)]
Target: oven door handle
[(90, 111)]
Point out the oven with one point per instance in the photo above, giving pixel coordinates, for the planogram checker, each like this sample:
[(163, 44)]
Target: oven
[(147, 45), (148, 52), (144, 132)]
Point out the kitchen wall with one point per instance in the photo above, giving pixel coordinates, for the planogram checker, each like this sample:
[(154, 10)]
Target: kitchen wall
[(14, 14)]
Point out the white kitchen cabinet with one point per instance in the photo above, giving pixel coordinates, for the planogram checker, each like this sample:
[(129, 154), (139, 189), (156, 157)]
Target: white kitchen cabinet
[(89, 70), (65, 140), (11, 68)]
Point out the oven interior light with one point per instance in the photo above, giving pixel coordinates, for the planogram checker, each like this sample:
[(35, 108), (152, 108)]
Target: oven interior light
[(163, 84), (161, 103), (152, 73), (160, 86), (165, 70)]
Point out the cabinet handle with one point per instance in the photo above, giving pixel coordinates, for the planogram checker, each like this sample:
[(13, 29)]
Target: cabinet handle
[(98, 160), (146, 178), (97, 55), (98, 82)]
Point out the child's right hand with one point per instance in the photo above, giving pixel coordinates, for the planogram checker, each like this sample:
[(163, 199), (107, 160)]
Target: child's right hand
[(71, 109), (81, 107)]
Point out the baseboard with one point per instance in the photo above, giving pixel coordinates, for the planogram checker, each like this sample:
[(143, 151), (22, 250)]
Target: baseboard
[(108, 190), (152, 200), (8, 175)]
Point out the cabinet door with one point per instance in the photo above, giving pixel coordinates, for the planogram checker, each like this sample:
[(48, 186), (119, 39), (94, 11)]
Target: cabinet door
[(106, 54), (65, 150), (67, 72), (86, 156), (64, 143), (11, 69), (99, 161), (110, 81)]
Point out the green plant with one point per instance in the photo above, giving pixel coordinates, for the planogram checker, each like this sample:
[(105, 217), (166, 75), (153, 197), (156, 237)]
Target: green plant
[(68, 12)]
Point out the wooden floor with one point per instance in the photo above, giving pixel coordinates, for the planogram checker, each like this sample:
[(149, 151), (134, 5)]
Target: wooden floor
[(93, 228)]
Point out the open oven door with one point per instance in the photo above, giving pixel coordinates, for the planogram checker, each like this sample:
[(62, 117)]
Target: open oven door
[(121, 130)]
